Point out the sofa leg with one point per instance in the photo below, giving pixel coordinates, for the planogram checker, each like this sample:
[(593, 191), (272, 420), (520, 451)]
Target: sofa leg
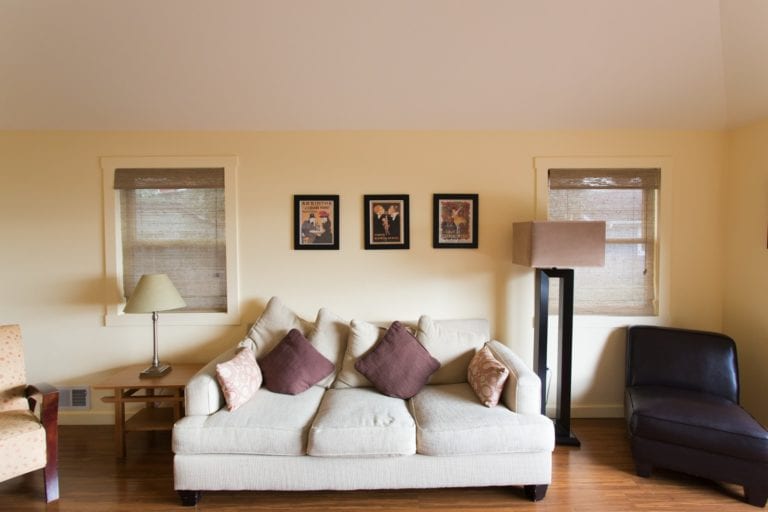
[(756, 495), (535, 492), (189, 498)]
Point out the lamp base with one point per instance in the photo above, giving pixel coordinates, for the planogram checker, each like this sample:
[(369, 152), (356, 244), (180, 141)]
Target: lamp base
[(154, 372)]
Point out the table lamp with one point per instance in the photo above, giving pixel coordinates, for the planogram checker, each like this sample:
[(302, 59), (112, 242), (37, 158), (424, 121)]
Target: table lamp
[(553, 248), (153, 293)]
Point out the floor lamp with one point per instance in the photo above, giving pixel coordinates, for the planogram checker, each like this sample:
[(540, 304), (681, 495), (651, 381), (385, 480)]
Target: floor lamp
[(553, 248)]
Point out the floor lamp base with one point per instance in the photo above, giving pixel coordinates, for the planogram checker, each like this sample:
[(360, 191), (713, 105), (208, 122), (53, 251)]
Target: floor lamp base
[(564, 436), (154, 372)]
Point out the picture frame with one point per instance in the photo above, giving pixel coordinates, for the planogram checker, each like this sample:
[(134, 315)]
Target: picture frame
[(316, 222), (386, 218), (455, 221)]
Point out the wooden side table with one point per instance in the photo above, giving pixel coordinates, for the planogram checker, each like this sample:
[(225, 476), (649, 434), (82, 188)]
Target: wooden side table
[(129, 388)]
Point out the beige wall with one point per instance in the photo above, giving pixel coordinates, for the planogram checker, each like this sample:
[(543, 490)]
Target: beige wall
[(746, 260), (53, 265)]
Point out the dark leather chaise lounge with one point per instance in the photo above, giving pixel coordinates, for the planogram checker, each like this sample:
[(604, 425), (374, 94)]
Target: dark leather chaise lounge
[(683, 413)]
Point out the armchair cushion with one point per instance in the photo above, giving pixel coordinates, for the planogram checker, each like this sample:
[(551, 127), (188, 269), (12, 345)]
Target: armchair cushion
[(696, 420), (22, 444)]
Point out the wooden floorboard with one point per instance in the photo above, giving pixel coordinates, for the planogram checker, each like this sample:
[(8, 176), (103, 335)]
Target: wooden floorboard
[(597, 477)]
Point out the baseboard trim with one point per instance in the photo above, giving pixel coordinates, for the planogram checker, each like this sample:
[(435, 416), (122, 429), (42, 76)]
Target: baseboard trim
[(592, 411)]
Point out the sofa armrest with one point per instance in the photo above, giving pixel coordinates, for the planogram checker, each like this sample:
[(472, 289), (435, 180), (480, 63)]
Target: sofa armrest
[(522, 391), (203, 395)]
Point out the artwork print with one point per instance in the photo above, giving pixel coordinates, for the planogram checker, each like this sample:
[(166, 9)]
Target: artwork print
[(455, 221), (386, 222), (316, 222)]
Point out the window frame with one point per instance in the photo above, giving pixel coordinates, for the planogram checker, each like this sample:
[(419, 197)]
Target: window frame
[(542, 166), (113, 259)]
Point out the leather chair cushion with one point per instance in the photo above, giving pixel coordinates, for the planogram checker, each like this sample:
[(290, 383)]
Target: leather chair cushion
[(695, 420)]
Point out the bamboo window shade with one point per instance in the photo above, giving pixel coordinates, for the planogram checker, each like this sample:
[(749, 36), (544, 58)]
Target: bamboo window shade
[(172, 222), (627, 200)]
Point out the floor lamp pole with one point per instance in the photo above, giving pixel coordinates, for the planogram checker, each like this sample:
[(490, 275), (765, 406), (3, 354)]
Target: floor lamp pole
[(563, 434)]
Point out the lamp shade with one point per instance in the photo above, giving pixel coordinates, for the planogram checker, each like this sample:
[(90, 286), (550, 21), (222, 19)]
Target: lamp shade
[(562, 244), (155, 292)]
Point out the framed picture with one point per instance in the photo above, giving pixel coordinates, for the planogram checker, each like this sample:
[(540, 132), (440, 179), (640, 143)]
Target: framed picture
[(316, 222), (455, 221), (386, 220)]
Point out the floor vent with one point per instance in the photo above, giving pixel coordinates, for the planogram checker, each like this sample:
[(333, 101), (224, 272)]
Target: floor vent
[(75, 397)]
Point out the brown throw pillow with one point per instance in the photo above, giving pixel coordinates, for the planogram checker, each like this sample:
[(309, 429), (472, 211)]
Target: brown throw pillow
[(294, 365), (398, 365), (487, 376)]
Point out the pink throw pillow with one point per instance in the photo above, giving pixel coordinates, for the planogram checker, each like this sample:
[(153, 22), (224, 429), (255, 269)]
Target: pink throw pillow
[(487, 376), (398, 365), (239, 378), (294, 365)]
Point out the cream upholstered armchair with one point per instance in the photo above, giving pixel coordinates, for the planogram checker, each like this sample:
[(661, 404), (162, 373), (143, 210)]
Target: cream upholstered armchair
[(27, 443)]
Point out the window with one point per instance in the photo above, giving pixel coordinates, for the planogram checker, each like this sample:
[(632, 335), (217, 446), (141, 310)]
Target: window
[(628, 200), (173, 216)]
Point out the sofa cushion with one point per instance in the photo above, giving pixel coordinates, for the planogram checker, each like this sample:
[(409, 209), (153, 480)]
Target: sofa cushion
[(398, 365), (239, 378), (695, 420), (360, 422), (268, 424), (450, 421), (294, 365), (272, 326), (452, 343), (329, 337), (486, 377), (362, 337)]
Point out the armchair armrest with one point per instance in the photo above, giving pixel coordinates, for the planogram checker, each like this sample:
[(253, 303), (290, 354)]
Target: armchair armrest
[(522, 391), (49, 408), (203, 395)]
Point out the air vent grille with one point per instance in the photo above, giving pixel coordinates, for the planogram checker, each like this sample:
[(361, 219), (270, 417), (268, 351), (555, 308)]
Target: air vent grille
[(74, 397)]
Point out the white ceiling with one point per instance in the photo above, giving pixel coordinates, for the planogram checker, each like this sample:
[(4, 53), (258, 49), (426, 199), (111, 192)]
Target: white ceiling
[(382, 64)]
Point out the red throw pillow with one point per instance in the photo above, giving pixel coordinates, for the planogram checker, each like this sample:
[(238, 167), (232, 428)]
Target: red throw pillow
[(294, 365), (398, 365)]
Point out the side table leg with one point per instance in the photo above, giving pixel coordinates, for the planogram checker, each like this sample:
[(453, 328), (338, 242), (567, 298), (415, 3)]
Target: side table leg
[(119, 424)]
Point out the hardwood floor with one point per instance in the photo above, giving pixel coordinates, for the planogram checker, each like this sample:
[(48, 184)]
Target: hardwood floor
[(597, 477)]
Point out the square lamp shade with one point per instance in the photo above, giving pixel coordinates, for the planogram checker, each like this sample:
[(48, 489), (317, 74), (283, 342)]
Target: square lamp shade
[(559, 244), (153, 293)]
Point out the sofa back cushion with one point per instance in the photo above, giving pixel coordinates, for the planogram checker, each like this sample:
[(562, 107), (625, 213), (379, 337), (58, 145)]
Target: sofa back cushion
[(329, 337), (362, 337), (272, 326), (453, 343)]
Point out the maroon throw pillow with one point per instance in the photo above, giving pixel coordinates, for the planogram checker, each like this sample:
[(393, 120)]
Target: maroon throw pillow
[(294, 365), (398, 365)]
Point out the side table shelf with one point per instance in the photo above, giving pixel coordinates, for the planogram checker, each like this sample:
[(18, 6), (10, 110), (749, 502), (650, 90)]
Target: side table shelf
[(156, 394)]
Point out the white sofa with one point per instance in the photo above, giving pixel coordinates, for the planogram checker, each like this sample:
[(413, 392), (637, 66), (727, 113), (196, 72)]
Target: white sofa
[(342, 434)]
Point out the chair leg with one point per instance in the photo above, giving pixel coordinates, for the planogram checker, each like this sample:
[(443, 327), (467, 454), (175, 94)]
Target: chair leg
[(51, 469), (51, 477), (643, 469), (756, 495)]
